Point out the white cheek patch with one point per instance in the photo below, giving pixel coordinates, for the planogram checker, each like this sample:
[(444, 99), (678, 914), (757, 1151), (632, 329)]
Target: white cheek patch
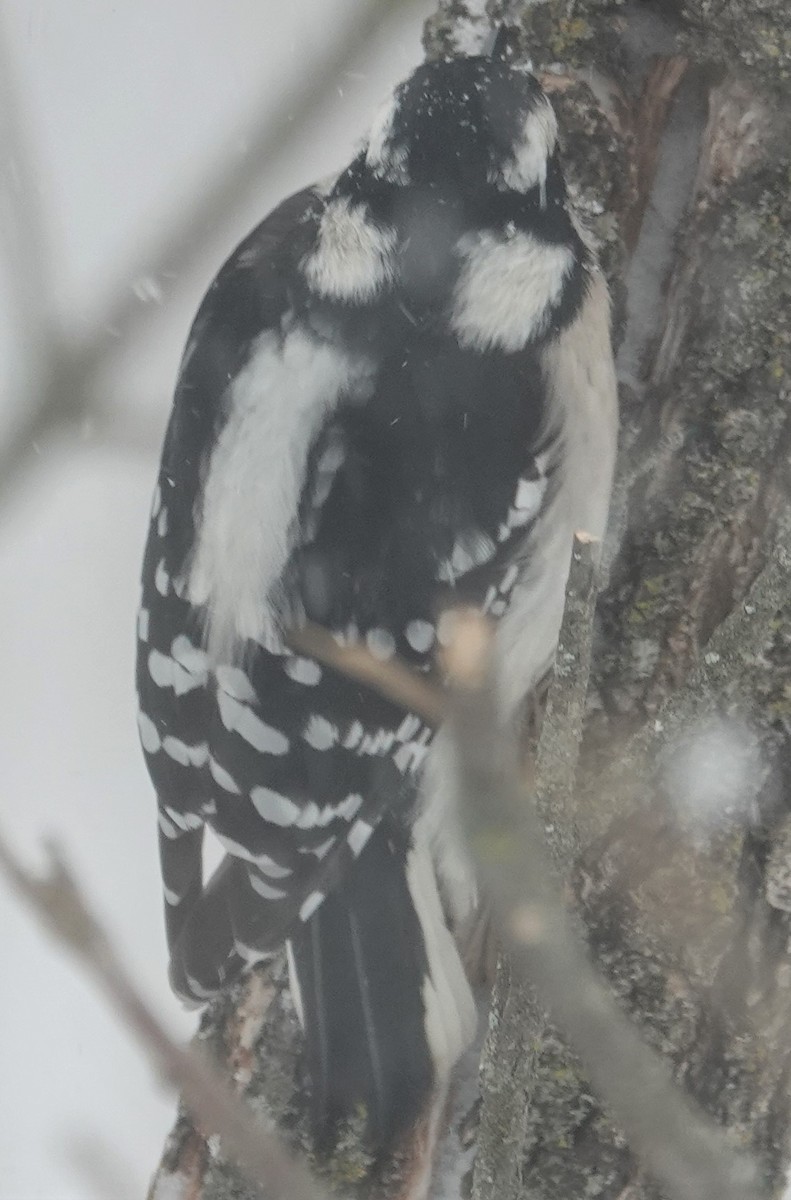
[(354, 258), (528, 166), (507, 289), (247, 526)]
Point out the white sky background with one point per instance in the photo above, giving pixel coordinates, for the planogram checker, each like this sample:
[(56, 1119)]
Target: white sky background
[(126, 104)]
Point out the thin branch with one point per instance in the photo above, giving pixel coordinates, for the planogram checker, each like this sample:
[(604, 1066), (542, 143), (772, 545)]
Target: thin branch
[(69, 388), (564, 715), (680, 1146), (59, 905)]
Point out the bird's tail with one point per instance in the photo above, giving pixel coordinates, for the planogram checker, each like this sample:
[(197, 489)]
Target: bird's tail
[(382, 994)]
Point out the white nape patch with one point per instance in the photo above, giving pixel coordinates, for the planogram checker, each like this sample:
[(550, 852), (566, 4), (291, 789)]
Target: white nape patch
[(310, 905), (472, 550), (162, 523), (223, 778), (420, 635), (161, 578), (320, 733), (234, 682), (528, 166), (507, 289), (188, 756), (383, 157), (349, 807), (302, 670), (273, 807), (149, 734), (450, 1012), (238, 718), (381, 643), (354, 257), (185, 821), (143, 621), (263, 888), (354, 736), (293, 983), (277, 405), (358, 835)]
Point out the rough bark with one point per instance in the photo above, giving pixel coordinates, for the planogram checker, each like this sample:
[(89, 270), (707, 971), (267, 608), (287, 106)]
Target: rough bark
[(676, 115), (674, 832)]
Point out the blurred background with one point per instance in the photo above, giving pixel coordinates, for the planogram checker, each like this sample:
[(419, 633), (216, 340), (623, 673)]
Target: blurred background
[(131, 163)]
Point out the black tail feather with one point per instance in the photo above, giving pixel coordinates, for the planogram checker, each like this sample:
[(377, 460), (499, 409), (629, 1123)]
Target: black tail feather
[(361, 966)]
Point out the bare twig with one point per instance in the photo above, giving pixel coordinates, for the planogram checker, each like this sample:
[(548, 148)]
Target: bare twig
[(67, 385), (680, 1146), (59, 905), (564, 716)]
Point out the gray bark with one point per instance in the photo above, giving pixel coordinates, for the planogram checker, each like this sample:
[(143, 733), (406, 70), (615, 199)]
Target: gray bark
[(673, 834), (677, 125)]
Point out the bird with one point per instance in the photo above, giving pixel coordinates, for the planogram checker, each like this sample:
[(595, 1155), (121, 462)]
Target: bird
[(397, 397)]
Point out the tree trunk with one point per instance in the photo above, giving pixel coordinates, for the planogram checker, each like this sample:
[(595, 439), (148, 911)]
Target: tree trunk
[(675, 124), (675, 841)]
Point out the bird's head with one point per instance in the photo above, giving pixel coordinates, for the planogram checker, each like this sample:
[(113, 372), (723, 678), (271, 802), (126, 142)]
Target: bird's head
[(467, 124)]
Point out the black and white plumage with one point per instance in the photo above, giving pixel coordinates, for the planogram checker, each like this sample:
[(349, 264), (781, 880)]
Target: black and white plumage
[(397, 395)]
